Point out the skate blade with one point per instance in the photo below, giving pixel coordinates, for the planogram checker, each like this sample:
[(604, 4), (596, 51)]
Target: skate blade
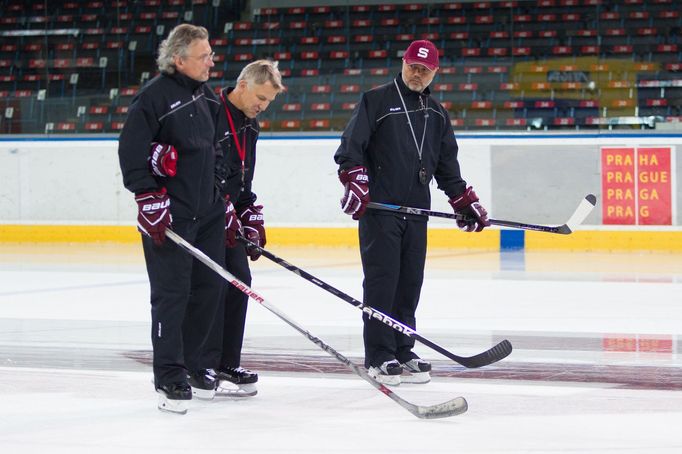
[(228, 389), (388, 380), (415, 377), (203, 394), (178, 407)]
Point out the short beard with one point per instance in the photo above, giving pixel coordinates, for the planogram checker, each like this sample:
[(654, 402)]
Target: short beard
[(415, 87)]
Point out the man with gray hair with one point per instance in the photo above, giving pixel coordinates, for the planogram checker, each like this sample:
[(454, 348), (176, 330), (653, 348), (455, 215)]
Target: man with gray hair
[(257, 86), (175, 115)]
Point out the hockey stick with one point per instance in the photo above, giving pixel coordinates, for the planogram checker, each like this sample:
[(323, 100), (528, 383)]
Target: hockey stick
[(584, 209), (496, 353), (452, 407)]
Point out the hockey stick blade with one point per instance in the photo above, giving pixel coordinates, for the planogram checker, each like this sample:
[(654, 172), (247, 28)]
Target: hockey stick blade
[(452, 407), (578, 216), (490, 356)]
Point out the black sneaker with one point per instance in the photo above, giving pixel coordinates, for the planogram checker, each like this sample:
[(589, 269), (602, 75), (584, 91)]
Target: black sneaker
[(237, 375), (174, 397), (203, 383)]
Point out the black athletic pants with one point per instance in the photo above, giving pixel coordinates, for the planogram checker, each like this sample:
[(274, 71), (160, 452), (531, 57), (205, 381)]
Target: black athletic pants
[(185, 295), (393, 251), (224, 347)]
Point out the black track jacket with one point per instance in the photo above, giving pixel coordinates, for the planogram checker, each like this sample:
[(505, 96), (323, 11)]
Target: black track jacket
[(230, 164), (177, 110), (379, 138)]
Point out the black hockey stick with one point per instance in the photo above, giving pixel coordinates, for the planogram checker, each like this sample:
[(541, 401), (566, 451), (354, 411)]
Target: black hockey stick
[(450, 408), (584, 209), (496, 353)]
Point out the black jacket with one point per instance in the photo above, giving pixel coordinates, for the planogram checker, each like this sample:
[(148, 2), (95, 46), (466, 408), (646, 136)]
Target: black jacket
[(180, 111), (230, 164), (378, 137)]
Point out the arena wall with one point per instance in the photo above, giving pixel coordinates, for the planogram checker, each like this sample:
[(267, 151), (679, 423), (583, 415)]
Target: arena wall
[(70, 190)]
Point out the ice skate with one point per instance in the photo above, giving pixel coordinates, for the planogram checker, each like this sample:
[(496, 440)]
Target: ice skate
[(174, 397), (236, 382), (388, 373), (416, 371), (203, 383)]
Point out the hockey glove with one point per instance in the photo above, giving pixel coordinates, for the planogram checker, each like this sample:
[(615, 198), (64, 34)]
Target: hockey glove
[(154, 214), (163, 160), (467, 204), (254, 228), (232, 224), (356, 195)]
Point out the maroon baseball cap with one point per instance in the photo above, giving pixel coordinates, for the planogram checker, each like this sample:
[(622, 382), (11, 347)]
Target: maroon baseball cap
[(422, 52)]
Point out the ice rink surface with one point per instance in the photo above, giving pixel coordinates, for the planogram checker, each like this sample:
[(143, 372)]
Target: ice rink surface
[(596, 366)]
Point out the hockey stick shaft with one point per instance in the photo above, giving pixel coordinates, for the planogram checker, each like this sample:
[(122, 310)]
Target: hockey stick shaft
[(450, 408), (585, 207), (496, 353)]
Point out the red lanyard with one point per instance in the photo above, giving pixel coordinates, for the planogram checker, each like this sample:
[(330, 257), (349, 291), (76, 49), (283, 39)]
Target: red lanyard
[(241, 148)]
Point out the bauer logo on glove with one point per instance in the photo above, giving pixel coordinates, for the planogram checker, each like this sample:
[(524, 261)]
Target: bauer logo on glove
[(253, 225), (154, 216), (356, 191), (163, 160), (155, 206), (254, 217)]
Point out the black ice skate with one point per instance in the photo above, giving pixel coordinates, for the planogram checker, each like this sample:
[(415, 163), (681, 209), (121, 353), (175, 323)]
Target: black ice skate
[(236, 382), (388, 373), (203, 383), (174, 397), (416, 371)]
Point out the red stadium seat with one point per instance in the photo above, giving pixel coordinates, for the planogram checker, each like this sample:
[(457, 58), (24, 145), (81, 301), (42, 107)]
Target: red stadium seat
[(350, 88), (290, 124), (65, 126), (321, 89), (320, 106), (94, 126), (319, 123), (291, 107), (339, 54), (98, 110), (515, 122)]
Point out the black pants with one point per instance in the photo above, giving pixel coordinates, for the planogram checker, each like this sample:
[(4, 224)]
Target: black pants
[(185, 295), (393, 251), (224, 347)]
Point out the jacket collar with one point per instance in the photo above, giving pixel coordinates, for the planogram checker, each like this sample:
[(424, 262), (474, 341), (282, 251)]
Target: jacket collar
[(185, 81), (405, 90), (237, 115)]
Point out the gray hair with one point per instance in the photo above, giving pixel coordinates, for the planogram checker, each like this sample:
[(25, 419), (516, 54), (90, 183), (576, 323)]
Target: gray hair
[(260, 72), (179, 39)]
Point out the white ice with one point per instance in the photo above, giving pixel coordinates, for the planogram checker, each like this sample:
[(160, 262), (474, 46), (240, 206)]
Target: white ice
[(57, 301)]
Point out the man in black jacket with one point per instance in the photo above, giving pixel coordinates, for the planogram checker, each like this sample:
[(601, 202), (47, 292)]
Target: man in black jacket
[(397, 140), (257, 86), (177, 109)]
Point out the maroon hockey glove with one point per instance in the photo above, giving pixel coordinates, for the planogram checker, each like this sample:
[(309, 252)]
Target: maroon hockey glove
[(254, 228), (467, 204), (154, 214), (232, 224), (356, 197), (163, 160)]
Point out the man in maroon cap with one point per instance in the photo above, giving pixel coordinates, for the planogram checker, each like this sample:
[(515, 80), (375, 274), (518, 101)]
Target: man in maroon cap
[(398, 139)]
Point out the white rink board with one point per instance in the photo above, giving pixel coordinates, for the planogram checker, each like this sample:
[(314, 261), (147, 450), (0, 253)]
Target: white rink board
[(78, 181)]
